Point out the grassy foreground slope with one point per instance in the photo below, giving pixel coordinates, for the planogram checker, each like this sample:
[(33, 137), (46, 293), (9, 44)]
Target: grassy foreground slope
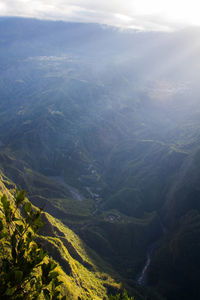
[(82, 279)]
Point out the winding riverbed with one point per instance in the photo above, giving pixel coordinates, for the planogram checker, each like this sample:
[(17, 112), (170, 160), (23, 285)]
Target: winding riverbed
[(76, 195)]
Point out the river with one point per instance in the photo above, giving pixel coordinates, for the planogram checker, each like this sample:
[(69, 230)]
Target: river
[(76, 195)]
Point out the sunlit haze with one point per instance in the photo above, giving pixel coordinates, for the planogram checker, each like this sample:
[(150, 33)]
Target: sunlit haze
[(161, 15)]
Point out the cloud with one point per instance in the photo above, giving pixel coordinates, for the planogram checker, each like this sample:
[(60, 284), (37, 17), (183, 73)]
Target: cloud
[(140, 14)]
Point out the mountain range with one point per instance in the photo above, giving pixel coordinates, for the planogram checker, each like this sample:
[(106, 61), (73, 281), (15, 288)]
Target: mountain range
[(101, 127)]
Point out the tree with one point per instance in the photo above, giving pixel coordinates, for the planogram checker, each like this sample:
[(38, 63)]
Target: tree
[(26, 272), (122, 296)]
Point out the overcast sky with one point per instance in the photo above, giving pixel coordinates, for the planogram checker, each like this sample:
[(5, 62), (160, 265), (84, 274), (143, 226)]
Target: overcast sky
[(140, 14)]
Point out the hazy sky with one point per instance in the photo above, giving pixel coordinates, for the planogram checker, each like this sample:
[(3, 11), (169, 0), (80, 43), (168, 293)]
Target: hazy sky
[(141, 14)]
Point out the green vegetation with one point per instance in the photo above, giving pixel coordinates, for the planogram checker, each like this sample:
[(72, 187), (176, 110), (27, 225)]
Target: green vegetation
[(123, 296), (43, 264), (25, 273)]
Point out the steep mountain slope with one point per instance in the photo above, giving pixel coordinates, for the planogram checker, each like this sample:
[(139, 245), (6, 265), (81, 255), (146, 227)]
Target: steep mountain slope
[(175, 265), (174, 270), (81, 277)]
